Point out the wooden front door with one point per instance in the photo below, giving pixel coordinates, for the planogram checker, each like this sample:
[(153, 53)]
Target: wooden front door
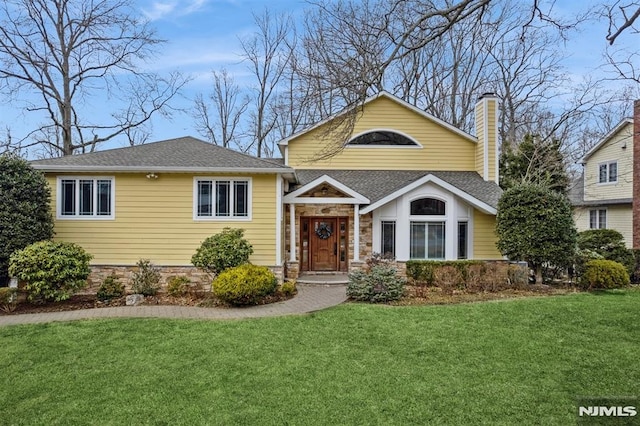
[(324, 244)]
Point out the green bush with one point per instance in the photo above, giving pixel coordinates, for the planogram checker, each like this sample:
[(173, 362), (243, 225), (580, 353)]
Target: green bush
[(244, 285), (609, 244), (425, 272), (472, 276), (288, 288), (110, 288), (604, 274), (146, 280), (8, 299), (25, 209), (380, 284), (222, 251), (178, 286), (51, 270)]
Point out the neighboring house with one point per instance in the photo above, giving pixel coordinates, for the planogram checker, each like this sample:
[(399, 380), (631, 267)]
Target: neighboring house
[(406, 183), (602, 197)]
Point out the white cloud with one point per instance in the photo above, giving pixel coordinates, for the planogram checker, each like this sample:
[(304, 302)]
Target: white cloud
[(160, 10)]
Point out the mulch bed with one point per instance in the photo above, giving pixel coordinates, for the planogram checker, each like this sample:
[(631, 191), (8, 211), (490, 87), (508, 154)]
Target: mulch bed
[(90, 301)]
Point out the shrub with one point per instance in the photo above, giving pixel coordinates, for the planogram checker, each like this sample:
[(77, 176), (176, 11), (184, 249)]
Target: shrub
[(25, 215), (609, 244), (380, 259), (222, 251), (8, 299), (178, 286), (52, 270), (110, 288), (604, 274), (380, 284), (535, 224), (244, 285), (146, 280), (466, 275), (288, 288)]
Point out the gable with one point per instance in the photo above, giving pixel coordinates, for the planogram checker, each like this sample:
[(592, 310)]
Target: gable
[(438, 146)]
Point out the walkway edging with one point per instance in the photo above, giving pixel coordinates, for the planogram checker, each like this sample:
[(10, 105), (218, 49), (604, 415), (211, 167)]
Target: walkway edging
[(310, 298)]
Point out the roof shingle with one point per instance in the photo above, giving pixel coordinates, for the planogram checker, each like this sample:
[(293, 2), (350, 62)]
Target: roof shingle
[(180, 154)]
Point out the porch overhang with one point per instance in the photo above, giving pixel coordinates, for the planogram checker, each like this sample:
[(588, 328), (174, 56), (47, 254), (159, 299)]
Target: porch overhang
[(353, 197), (480, 205)]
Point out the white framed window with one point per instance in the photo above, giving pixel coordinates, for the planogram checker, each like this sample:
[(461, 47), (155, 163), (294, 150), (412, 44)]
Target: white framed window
[(222, 198), (85, 197), (598, 219), (388, 237), (427, 239), (608, 172)]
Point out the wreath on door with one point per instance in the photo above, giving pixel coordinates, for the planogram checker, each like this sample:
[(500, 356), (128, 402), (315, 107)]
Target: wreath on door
[(323, 231)]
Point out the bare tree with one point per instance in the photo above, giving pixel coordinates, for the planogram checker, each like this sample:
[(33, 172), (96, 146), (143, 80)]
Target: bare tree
[(268, 55), (59, 54), (622, 18), (218, 118)]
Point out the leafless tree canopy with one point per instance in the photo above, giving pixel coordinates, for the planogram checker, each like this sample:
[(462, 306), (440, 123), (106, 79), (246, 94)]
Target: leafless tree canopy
[(56, 54)]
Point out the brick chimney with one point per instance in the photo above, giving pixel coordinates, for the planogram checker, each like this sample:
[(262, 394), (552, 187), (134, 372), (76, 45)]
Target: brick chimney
[(636, 174), (486, 117)]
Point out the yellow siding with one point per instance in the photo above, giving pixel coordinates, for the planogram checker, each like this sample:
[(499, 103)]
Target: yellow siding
[(484, 236), (154, 220), (479, 158), (492, 112), (442, 149), (619, 218), (611, 151)]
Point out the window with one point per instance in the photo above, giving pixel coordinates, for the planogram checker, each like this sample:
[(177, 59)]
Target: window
[(608, 172), (427, 240), (222, 198), (428, 207), (463, 231), (84, 197), (382, 138), (598, 219), (388, 237)]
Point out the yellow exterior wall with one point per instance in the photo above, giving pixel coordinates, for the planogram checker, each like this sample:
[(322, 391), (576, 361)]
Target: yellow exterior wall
[(484, 236), (442, 149), (154, 220), (619, 218), (480, 125), (610, 151)]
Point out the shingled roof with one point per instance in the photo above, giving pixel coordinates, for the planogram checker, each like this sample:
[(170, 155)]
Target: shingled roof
[(378, 184), (186, 154)]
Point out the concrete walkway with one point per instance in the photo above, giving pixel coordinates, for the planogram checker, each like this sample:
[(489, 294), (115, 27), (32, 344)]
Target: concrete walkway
[(310, 298)]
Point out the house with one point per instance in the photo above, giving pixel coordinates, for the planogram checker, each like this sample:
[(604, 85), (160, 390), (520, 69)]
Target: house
[(602, 196), (406, 183)]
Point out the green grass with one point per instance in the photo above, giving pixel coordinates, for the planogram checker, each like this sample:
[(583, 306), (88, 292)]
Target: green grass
[(519, 361)]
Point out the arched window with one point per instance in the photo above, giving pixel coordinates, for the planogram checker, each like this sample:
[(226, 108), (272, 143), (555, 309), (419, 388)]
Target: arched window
[(382, 138), (427, 207)]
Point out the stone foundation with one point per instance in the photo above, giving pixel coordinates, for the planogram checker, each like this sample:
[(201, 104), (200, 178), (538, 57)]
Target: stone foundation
[(125, 274)]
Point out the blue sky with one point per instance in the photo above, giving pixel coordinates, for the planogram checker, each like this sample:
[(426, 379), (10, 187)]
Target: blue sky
[(204, 35)]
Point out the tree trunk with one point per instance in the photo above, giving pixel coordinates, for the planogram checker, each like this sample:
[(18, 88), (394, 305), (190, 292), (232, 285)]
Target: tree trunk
[(538, 269)]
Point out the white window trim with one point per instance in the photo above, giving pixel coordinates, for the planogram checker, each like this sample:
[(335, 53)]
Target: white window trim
[(213, 179), (417, 145), (60, 216), (606, 218), (608, 164)]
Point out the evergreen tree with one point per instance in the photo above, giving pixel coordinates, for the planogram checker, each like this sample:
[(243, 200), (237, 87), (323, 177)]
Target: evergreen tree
[(25, 215), (535, 224), (534, 161)]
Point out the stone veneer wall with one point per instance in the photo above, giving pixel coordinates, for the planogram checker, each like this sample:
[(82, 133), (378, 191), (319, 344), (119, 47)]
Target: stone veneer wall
[(125, 273), (330, 210)]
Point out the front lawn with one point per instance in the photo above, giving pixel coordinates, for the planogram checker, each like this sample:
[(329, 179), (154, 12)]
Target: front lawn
[(518, 361)]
